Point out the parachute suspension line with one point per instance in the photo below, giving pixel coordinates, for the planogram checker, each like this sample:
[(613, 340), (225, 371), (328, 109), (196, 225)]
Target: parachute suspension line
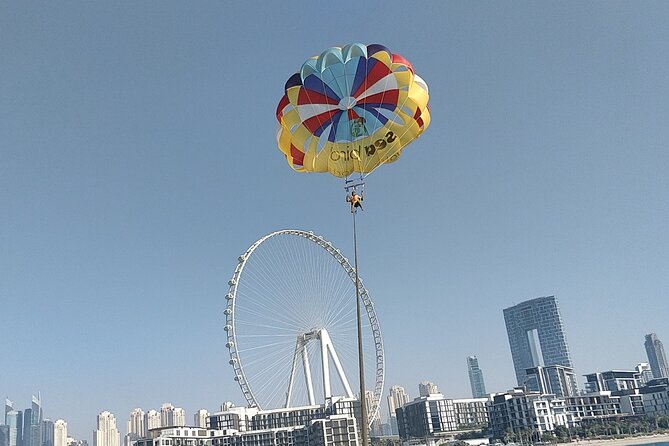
[(361, 365), (354, 184)]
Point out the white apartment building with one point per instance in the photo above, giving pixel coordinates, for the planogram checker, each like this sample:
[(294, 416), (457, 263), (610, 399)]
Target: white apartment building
[(200, 418), (60, 433), (106, 433), (519, 410), (153, 420), (427, 388), (172, 416), (137, 423), (178, 417), (436, 415), (332, 424)]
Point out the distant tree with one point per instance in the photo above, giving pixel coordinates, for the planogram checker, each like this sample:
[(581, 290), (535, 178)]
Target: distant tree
[(456, 443), (549, 438), (562, 433), (386, 442), (508, 436), (470, 434)]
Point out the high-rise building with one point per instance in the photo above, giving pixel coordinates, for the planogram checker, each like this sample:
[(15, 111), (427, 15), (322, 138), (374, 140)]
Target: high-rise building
[(19, 428), (60, 433), (14, 422), (178, 417), (32, 423), (397, 397), (9, 406), (656, 356), (47, 432), (427, 388), (106, 434), (152, 419), (200, 418), (172, 416), (4, 435), (136, 427), (27, 417), (136, 423), (167, 415), (536, 335), (475, 377)]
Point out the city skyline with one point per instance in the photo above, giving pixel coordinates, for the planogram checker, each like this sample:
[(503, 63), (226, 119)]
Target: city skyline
[(138, 161), (169, 415)]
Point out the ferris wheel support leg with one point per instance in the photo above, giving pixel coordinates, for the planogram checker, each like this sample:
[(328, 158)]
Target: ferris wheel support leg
[(307, 373), (325, 340), (292, 374), (361, 366)]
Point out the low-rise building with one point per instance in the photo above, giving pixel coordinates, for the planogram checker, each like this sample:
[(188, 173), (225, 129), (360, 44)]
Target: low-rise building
[(631, 402), (332, 424), (594, 405), (520, 411), (556, 379), (655, 397), (426, 416), (613, 381), (471, 412)]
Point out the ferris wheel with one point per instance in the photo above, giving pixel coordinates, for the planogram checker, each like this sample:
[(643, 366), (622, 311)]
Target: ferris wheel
[(291, 329)]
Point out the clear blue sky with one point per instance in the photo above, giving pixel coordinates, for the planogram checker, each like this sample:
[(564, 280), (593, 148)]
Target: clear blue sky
[(138, 160)]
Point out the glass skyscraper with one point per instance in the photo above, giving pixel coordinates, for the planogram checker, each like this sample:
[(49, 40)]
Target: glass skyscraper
[(476, 377), (656, 356), (536, 336)]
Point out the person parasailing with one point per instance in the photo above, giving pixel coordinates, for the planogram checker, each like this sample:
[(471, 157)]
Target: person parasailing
[(355, 200)]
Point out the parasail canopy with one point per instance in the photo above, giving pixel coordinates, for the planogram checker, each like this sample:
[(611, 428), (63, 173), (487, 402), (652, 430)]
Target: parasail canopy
[(351, 109)]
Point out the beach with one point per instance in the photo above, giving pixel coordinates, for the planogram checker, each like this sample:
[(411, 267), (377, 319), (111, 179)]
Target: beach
[(645, 439)]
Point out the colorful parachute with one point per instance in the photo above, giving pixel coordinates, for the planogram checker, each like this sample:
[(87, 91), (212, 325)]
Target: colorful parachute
[(351, 109)]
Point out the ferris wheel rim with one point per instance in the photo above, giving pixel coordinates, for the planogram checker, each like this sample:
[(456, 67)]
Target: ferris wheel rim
[(231, 331)]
